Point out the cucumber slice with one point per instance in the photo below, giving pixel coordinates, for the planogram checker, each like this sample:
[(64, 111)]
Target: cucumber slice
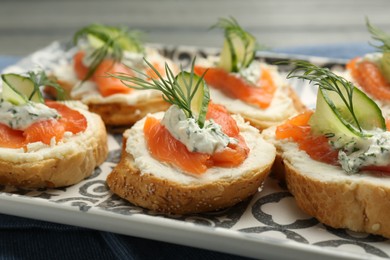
[(333, 117), (94, 41), (19, 90), (238, 51), (195, 88), (124, 41), (385, 65)]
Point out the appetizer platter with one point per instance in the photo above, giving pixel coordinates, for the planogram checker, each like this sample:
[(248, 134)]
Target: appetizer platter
[(223, 151), (267, 225)]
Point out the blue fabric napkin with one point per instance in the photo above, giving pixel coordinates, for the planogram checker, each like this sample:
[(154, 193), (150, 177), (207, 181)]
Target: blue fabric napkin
[(22, 238)]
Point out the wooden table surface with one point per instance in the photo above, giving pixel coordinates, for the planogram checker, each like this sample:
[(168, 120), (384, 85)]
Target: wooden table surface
[(27, 25)]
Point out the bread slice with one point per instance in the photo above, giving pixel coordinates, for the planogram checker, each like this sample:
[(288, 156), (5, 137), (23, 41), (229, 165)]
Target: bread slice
[(359, 202), (122, 114), (148, 183), (63, 164)]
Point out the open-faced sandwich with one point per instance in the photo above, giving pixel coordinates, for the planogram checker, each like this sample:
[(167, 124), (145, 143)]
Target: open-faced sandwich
[(194, 157), (337, 157), (105, 49), (46, 143), (246, 86), (371, 72)]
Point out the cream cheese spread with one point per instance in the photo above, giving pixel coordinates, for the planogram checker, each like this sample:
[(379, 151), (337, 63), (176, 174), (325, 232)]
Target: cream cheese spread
[(261, 155), (22, 116), (373, 151), (208, 139)]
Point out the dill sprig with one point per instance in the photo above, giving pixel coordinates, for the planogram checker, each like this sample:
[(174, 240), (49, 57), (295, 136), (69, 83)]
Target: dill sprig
[(113, 40), (379, 35), (327, 80), (174, 92), (40, 79), (233, 30)]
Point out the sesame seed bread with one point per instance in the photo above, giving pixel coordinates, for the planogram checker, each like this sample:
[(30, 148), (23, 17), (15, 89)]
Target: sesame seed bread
[(62, 164), (148, 183), (359, 202)]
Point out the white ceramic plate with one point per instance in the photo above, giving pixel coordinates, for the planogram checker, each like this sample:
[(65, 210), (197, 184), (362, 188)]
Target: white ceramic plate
[(268, 226)]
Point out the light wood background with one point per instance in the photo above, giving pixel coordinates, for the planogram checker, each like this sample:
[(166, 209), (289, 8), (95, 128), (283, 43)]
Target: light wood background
[(27, 25)]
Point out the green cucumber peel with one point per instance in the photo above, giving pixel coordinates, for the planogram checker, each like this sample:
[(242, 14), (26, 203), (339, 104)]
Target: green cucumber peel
[(341, 107), (19, 89), (383, 37), (186, 90), (193, 87), (239, 47)]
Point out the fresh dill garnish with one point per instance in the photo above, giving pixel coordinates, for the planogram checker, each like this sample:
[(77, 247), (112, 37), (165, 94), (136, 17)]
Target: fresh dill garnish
[(327, 80), (40, 79), (185, 90), (247, 47), (379, 35), (110, 42)]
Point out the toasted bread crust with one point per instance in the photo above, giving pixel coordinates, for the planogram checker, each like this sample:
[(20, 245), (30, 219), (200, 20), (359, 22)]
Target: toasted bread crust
[(162, 195), (355, 204), (59, 172), (121, 114)]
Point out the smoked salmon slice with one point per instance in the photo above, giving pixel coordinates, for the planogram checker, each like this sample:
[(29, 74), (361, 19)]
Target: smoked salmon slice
[(299, 130), (73, 120), (237, 87), (165, 148), (43, 131), (10, 138), (369, 76), (107, 85)]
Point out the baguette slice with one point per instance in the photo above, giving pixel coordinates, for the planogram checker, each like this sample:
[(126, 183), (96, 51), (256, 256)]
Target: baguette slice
[(359, 202), (148, 183), (66, 163)]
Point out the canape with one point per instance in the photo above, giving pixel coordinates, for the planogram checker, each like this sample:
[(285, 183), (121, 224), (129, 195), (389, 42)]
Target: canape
[(246, 86), (46, 143), (100, 50), (192, 158), (337, 157)]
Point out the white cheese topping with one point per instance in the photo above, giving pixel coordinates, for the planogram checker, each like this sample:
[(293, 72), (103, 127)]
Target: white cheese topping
[(371, 151), (22, 116), (357, 154), (252, 73), (208, 139), (261, 155), (323, 171), (374, 57)]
